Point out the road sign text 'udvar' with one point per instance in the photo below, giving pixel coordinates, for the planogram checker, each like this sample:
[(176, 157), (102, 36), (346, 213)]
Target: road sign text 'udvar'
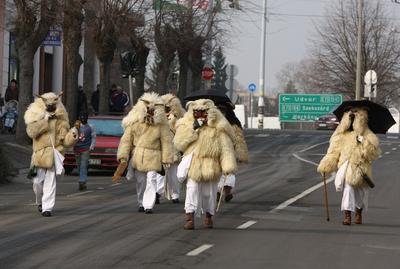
[(306, 107)]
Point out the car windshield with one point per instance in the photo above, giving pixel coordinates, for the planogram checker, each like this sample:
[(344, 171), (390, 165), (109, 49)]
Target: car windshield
[(107, 127)]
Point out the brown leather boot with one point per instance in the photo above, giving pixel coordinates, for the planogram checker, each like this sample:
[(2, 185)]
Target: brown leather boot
[(208, 222), (358, 217), (228, 193), (347, 217), (189, 225)]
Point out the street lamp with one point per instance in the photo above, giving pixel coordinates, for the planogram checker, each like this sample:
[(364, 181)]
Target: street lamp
[(261, 104)]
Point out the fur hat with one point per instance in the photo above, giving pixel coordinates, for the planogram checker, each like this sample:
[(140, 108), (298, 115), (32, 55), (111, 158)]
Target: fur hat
[(139, 111), (174, 104), (37, 109)]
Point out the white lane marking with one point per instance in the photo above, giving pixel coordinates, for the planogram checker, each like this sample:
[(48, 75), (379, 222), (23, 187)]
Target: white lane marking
[(78, 194), (199, 250), (261, 135), (301, 195), (18, 146), (381, 247), (387, 152), (246, 225), (116, 184), (314, 146), (304, 160), (309, 190), (394, 148), (392, 137)]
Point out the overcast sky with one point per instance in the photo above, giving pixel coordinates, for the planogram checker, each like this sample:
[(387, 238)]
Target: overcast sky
[(288, 35)]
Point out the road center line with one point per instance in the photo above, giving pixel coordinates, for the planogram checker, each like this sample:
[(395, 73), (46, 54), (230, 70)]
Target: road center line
[(199, 250), (304, 160), (246, 225), (79, 193), (314, 146)]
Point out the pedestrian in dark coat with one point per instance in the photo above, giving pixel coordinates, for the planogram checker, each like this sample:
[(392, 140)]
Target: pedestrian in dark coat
[(12, 91)]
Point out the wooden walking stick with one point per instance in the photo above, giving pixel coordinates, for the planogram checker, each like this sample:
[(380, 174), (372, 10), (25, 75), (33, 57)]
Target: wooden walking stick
[(326, 197), (221, 193)]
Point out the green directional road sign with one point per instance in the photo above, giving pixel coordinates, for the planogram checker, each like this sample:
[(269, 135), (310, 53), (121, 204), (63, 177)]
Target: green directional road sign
[(306, 107)]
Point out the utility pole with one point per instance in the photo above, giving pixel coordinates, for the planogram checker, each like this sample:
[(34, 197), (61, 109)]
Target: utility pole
[(261, 104), (360, 8), (209, 54)]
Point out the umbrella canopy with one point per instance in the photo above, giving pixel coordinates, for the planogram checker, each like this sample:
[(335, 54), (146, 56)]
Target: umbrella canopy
[(379, 117), (217, 96)]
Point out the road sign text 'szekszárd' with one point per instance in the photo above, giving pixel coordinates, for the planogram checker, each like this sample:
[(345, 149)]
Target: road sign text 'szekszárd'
[(306, 107)]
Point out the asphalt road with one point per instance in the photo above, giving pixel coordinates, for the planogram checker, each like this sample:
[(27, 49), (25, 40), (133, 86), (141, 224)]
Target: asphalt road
[(101, 228)]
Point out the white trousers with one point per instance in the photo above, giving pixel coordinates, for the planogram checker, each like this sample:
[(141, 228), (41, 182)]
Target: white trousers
[(174, 187), (229, 181), (146, 186), (160, 184), (44, 186), (200, 197), (354, 198)]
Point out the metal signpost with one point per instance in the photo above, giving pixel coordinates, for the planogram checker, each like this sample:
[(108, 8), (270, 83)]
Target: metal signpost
[(306, 107), (252, 88), (370, 79)]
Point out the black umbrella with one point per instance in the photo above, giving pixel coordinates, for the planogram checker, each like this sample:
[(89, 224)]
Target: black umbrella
[(217, 96), (379, 117)]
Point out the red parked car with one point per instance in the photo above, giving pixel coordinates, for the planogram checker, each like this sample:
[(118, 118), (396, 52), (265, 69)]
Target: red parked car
[(327, 122), (104, 155)]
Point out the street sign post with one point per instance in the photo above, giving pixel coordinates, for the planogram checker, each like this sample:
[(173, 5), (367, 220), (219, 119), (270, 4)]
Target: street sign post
[(306, 107), (371, 80), (207, 73), (252, 87)]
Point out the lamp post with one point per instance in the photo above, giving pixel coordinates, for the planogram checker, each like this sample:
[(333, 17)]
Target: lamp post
[(261, 104), (360, 7)]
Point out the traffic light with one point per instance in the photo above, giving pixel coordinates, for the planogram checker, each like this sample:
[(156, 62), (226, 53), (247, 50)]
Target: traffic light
[(128, 63), (234, 4)]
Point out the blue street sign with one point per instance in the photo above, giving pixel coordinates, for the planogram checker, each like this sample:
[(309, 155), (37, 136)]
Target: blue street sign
[(53, 38), (252, 87)]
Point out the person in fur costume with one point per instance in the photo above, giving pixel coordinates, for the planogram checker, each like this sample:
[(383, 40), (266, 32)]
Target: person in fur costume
[(174, 111), (47, 124), (241, 150), (206, 133), (148, 141), (354, 142)]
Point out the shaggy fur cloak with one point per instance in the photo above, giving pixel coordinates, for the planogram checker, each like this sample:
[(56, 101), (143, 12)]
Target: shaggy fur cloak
[(176, 112), (42, 130), (149, 144), (211, 144), (344, 145)]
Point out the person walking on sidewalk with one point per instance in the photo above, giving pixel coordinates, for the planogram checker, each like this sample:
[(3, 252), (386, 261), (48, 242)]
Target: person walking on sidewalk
[(86, 143), (206, 134), (47, 124), (148, 140)]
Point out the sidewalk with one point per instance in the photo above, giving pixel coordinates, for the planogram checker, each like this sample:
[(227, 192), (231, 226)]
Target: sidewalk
[(19, 156)]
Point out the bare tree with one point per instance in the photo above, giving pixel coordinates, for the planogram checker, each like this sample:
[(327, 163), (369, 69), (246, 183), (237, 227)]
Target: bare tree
[(335, 49), (287, 78), (112, 16), (31, 24), (72, 30)]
